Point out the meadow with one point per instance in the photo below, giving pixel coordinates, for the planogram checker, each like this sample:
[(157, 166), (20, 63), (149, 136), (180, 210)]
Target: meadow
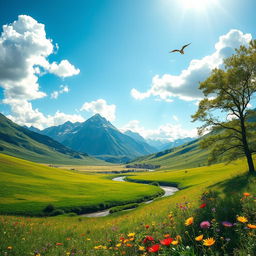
[(212, 214), (27, 188)]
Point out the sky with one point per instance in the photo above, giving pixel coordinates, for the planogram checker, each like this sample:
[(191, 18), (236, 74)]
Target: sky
[(68, 60)]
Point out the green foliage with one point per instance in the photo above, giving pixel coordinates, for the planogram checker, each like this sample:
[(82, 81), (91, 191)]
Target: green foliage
[(230, 91)]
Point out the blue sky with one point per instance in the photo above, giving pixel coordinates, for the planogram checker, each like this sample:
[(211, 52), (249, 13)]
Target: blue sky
[(117, 60)]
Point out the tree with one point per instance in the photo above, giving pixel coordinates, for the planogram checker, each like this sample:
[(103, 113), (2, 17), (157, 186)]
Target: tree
[(225, 108)]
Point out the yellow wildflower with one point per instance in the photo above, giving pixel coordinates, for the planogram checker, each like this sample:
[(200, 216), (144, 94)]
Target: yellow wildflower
[(189, 221), (175, 242), (242, 219), (141, 248), (209, 242), (131, 235)]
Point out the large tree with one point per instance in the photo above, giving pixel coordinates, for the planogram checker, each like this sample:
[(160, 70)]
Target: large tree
[(225, 109)]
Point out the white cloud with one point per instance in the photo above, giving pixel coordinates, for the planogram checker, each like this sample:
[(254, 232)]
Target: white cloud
[(164, 132), (185, 85), (63, 89), (24, 49), (24, 114), (101, 107), (64, 69)]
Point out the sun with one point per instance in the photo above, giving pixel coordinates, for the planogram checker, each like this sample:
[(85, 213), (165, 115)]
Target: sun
[(198, 5)]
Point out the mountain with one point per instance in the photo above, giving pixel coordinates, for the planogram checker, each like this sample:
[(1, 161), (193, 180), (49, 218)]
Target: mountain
[(163, 145), (136, 136), (20, 142), (60, 132), (176, 143), (99, 138)]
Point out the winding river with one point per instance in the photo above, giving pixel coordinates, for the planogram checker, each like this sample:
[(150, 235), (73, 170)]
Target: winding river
[(168, 191)]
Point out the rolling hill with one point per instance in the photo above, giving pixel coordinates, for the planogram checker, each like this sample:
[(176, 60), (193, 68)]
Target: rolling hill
[(188, 155), (21, 142)]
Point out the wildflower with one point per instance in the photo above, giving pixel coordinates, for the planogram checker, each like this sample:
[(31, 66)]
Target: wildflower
[(246, 194), (118, 245), (153, 248), (199, 238), (59, 243), (9, 247), (166, 241), (175, 242), (141, 248), (131, 235), (242, 219), (205, 224), (251, 226), (146, 226), (209, 241), (129, 245), (189, 221), (178, 237), (148, 238), (167, 235), (202, 205), (227, 224)]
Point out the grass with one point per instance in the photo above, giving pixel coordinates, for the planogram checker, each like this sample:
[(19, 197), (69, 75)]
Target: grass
[(108, 167), (67, 235), (26, 188), (189, 155)]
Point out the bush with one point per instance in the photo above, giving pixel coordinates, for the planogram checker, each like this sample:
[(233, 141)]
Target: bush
[(57, 212), (49, 208), (154, 183)]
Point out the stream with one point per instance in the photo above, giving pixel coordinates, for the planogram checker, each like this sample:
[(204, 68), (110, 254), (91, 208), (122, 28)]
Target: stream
[(168, 191)]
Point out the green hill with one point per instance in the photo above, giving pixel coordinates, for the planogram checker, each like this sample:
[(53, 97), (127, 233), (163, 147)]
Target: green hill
[(188, 155), (23, 143), (26, 188)]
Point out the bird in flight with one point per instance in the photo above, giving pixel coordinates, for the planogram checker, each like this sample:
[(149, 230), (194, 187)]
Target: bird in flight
[(181, 51)]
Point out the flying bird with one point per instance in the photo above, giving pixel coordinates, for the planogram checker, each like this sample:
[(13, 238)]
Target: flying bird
[(181, 51)]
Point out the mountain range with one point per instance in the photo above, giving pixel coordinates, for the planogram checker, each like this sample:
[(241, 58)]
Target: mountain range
[(20, 142), (98, 137)]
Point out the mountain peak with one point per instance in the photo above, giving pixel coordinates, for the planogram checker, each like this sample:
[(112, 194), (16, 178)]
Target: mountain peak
[(97, 118)]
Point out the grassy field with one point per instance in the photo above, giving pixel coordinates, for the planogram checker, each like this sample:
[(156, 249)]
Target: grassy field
[(27, 188), (79, 236), (99, 168)]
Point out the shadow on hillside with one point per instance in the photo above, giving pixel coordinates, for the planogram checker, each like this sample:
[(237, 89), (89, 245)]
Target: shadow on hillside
[(233, 185)]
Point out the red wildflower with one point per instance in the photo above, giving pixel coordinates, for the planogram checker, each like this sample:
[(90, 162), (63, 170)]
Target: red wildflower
[(166, 241), (59, 243), (154, 248), (146, 226), (202, 205), (148, 238)]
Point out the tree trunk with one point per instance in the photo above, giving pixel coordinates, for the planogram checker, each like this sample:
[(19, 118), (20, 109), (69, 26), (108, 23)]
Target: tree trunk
[(247, 151), (250, 163)]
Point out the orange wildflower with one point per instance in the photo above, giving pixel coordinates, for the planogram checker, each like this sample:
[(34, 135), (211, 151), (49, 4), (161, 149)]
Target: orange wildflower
[(251, 226), (209, 242), (246, 194), (199, 238)]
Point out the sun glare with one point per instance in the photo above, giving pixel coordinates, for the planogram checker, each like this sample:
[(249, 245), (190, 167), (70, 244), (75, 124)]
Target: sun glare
[(197, 4)]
